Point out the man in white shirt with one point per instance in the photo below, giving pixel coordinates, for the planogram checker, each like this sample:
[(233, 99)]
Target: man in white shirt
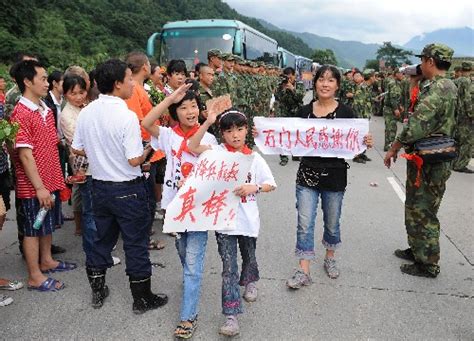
[(108, 133)]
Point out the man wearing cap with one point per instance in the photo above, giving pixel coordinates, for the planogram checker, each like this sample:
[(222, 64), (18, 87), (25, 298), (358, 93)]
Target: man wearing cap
[(433, 114), (214, 59), (464, 120), (457, 72)]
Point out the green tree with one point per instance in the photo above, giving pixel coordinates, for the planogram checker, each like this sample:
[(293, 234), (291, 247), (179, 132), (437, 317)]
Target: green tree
[(326, 56), (372, 64), (393, 56)]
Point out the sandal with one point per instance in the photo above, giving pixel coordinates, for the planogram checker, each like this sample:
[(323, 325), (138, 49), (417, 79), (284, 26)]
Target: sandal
[(62, 267), (48, 285), (156, 245), (185, 329)]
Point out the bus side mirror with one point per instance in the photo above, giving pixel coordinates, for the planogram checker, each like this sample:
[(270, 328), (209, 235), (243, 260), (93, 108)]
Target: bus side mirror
[(150, 45), (238, 43)]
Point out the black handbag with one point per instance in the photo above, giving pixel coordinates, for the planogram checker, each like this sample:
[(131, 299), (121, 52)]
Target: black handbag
[(436, 148)]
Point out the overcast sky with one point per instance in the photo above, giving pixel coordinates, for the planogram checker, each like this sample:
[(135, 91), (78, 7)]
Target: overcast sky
[(368, 21)]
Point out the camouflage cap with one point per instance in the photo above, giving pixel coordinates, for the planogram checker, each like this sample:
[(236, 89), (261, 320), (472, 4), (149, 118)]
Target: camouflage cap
[(437, 51), (466, 66), (457, 68), (368, 72), (214, 53), (228, 56)]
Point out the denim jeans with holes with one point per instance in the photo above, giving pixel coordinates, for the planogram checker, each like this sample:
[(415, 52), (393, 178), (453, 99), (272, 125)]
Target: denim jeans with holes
[(307, 200), (227, 247), (191, 248)]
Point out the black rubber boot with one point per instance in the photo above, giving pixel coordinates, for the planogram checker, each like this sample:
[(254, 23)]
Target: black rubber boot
[(420, 270), (143, 298), (99, 290), (406, 254)]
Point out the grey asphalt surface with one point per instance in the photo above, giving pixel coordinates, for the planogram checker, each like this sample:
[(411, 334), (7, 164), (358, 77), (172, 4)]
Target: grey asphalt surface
[(371, 299)]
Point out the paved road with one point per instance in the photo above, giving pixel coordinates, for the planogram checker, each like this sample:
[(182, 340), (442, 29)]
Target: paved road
[(372, 299)]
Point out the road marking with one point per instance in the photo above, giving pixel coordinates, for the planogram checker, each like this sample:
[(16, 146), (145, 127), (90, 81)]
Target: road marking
[(397, 188)]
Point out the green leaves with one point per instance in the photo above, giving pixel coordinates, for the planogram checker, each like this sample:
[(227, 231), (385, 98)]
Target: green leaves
[(8, 131)]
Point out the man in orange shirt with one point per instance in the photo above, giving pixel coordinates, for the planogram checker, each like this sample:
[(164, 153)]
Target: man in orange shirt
[(140, 104)]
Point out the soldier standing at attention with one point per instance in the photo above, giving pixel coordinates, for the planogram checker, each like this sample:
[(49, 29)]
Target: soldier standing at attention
[(206, 79), (214, 60), (434, 114), (391, 110), (457, 72), (464, 120)]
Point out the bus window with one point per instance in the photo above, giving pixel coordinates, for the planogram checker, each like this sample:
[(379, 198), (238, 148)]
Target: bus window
[(258, 48), (192, 44)]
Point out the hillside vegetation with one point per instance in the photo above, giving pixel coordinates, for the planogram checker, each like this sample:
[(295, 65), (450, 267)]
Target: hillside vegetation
[(63, 32)]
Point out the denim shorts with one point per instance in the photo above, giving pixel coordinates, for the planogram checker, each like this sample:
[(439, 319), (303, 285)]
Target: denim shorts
[(31, 208), (307, 200)]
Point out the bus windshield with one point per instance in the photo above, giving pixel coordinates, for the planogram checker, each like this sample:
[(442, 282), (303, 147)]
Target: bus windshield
[(192, 44)]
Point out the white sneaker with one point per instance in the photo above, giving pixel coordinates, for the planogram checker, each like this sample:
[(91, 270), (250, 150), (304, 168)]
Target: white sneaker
[(116, 260), (5, 300)]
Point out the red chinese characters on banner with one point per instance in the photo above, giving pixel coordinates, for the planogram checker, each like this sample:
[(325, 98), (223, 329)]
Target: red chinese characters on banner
[(187, 206), (352, 141), (214, 205), (325, 138), (213, 171)]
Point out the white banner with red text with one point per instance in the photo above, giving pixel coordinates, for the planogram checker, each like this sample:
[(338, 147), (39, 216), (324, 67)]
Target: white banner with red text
[(206, 200), (342, 138)]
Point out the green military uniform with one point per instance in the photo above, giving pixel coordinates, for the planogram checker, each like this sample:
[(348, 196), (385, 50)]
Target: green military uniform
[(362, 104), (11, 99), (390, 104), (346, 87), (464, 121), (405, 96), (433, 114)]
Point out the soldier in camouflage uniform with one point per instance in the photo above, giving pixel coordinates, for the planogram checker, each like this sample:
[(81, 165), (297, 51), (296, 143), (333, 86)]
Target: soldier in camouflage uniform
[(404, 96), (363, 104), (288, 99), (392, 108), (464, 120), (434, 114), (346, 93), (457, 72)]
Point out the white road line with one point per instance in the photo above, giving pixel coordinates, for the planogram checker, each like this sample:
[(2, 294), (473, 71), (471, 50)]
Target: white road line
[(397, 188)]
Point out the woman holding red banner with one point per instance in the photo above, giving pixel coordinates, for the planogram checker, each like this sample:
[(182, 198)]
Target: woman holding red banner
[(321, 177)]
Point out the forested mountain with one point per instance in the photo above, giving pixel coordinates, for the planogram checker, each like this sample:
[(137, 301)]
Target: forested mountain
[(62, 32)]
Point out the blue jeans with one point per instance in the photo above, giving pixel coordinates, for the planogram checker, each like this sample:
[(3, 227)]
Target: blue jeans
[(191, 248), (307, 207), (121, 208), (89, 231), (227, 247), (150, 186)]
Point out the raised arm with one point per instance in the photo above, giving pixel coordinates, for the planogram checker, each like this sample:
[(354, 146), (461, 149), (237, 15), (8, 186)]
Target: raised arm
[(149, 121), (194, 144)]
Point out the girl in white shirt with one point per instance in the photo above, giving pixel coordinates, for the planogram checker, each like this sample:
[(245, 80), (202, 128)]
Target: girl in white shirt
[(183, 107), (233, 126)]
